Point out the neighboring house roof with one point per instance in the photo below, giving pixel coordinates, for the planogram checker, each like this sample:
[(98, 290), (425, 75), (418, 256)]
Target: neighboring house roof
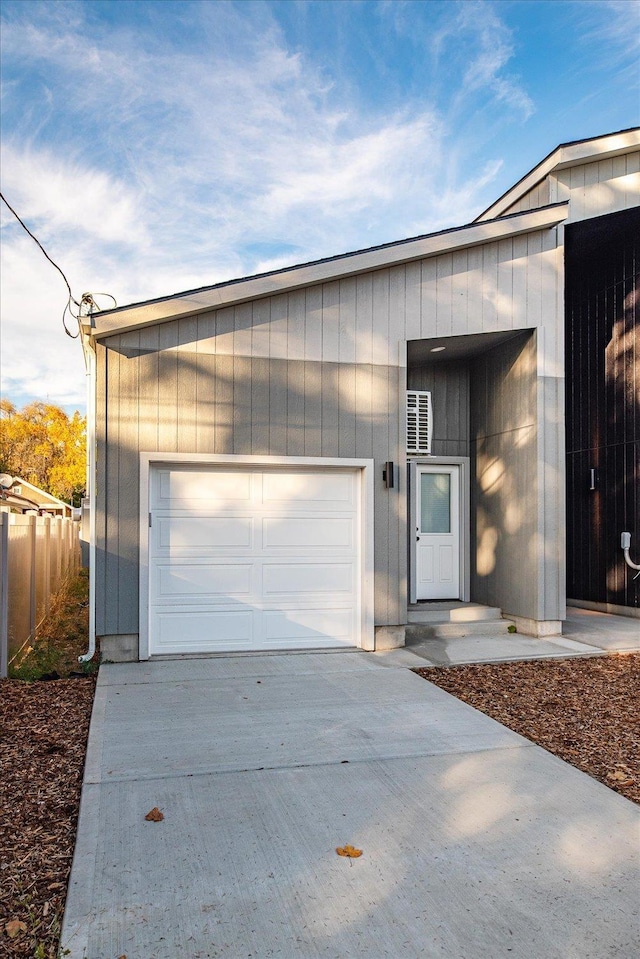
[(25, 496), (574, 153)]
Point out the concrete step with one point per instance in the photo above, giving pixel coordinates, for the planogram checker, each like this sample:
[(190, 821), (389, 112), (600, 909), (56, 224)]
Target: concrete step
[(430, 613), (418, 632)]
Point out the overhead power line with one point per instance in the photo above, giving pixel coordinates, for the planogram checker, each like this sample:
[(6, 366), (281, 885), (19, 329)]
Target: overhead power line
[(87, 299)]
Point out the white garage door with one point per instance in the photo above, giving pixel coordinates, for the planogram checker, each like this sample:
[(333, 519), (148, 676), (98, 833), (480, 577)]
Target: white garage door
[(253, 559)]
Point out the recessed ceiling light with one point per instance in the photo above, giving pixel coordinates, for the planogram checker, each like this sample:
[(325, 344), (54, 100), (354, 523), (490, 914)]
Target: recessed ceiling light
[(437, 349)]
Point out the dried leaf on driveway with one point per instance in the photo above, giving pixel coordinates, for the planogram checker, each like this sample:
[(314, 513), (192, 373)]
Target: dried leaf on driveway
[(349, 851), (154, 815)]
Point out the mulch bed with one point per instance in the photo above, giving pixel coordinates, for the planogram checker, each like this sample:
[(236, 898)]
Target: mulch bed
[(43, 737), (583, 710)]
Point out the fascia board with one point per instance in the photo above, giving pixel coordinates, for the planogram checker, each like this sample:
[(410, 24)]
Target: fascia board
[(567, 155), (182, 305)]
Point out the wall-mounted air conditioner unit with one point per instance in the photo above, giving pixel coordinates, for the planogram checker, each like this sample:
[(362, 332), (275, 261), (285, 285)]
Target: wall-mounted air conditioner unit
[(419, 421)]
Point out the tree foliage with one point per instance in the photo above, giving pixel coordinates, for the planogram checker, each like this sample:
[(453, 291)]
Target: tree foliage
[(44, 446)]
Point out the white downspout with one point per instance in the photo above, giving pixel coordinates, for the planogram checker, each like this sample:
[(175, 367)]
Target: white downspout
[(90, 364)]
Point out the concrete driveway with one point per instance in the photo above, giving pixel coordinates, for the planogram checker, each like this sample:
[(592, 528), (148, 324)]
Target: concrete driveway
[(476, 843)]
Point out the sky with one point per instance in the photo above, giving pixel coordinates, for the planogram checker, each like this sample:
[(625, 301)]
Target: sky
[(156, 147)]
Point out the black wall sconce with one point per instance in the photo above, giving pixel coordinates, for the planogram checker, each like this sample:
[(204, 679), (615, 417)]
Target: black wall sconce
[(387, 474)]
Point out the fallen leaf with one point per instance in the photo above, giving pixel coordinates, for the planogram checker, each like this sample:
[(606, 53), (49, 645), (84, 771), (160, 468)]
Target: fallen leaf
[(154, 815), (349, 851), (619, 776), (14, 928)]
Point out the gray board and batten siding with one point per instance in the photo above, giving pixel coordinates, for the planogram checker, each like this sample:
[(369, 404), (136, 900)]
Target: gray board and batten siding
[(321, 371)]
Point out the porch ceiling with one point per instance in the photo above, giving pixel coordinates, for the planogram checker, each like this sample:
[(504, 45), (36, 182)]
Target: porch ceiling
[(456, 347)]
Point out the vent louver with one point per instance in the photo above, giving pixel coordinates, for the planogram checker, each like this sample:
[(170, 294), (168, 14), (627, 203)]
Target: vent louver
[(419, 421)]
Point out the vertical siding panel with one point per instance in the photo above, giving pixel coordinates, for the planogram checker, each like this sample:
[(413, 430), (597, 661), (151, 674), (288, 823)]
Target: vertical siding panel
[(206, 384), (242, 317), (260, 328), (279, 326), (534, 271), (295, 408), (632, 181), (330, 373), (112, 498), (149, 391), (346, 410), (224, 370), (363, 400), (489, 287), (347, 346), (474, 290), (397, 311), (295, 336), (242, 404), (225, 326), (592, 189), (260, 410), (278, 407), (519, 282), (413, 300), (504, 299), (576, 187), (312, 408), (168, 386), (429, 298), (444, 268), (100, 484), (128, 492), (383, 342), (397, 606), (187, 365), (313, 324), (331, 322), (364, 319), (459, 280), (379, 449)]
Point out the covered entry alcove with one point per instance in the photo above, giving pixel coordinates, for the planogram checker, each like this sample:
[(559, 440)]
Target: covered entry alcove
[(485, 397)]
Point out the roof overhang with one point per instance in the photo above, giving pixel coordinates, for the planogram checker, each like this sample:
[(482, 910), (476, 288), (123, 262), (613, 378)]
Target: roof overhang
[(566, 155), (140, 315)]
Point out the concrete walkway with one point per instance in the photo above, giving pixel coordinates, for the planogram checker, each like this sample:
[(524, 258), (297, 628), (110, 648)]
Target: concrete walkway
[(585, 633), (476, 843)]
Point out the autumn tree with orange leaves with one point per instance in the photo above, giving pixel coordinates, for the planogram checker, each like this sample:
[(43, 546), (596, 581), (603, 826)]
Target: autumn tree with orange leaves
[(44, 446)]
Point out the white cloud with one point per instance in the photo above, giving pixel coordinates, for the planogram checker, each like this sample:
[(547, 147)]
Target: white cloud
[(146, 169)]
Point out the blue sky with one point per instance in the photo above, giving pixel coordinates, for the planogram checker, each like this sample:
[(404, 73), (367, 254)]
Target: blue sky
[(155, 147)]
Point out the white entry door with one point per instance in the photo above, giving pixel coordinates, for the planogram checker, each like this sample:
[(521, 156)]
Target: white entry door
[(438, 532)]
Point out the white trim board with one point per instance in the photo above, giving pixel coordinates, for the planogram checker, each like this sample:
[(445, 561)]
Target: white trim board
[(366, 467)]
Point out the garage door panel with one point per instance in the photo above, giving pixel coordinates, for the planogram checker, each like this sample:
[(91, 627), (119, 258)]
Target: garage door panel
[(180, 581), (201, 488), (280, 579), (309, 491), (180, 533), (311, 627), (308, 533), (180, 630)]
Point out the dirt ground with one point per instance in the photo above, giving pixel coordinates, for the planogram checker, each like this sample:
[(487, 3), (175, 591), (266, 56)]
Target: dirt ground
[(585, 711)]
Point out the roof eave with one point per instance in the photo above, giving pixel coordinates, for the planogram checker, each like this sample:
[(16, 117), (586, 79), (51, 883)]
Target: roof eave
[(566, 155), (234, 292)]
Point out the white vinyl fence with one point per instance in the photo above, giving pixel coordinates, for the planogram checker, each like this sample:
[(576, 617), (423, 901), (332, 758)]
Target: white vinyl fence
[(36, 555)]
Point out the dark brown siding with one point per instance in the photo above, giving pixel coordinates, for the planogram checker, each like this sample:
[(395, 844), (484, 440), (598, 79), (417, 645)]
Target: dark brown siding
[(603, 405)]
